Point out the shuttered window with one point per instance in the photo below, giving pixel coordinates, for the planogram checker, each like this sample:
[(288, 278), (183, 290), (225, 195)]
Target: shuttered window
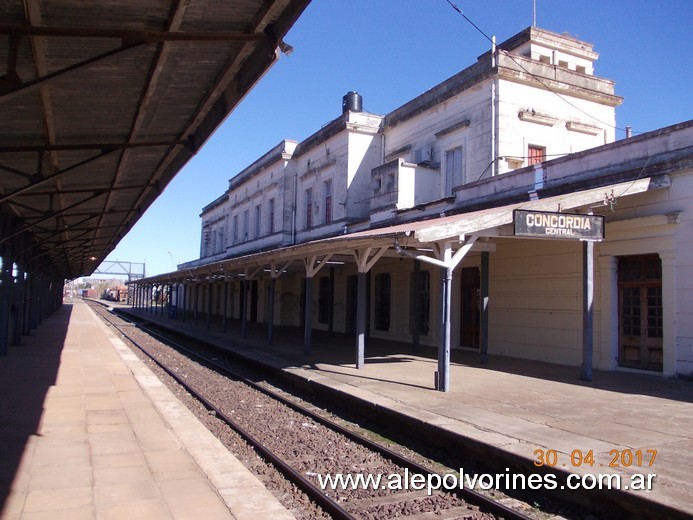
[(535, 154)]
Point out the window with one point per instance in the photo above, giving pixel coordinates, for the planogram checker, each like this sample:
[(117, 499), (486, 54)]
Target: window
[(270, 207), (235, 229), (328, 201), (206, 239), (246, 225), (382, 301), (220, 241), (453, 169), (535, 154), (258, 213), (309, 208)]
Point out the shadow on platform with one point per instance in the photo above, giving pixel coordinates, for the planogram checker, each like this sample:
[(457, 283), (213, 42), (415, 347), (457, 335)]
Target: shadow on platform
[(26, 374), (333, 348)]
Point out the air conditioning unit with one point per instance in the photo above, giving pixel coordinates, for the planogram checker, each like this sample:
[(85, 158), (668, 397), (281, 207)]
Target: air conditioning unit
[(423, 155)]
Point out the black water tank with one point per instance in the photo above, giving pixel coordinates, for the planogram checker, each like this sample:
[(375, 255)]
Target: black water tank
[(352, 101)]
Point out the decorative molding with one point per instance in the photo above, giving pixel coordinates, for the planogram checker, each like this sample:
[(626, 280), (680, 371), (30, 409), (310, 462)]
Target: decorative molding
[(583, 128), (460, 124), (645, 222), (532, 116), (396, 153)]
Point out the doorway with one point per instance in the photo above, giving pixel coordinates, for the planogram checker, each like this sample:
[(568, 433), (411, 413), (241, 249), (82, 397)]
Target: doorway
[(470, 307), (640, 312)]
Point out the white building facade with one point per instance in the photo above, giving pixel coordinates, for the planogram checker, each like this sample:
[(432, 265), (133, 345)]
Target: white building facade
[(384, 202)]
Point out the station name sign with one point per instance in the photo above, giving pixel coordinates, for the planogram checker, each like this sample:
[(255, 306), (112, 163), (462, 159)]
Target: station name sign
[(544, 224)]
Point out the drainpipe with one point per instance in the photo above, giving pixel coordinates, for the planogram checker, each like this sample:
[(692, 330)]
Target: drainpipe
[(293, 211), (494, 167)]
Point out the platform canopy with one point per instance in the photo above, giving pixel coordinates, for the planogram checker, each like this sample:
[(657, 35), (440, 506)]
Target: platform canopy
[(103, 102)]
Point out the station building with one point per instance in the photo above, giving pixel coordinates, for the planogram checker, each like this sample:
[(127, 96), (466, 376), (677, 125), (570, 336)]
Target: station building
[(495, 212)]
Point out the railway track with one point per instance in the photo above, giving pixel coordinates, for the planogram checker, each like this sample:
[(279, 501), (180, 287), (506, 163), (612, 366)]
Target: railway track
[(305, 446)]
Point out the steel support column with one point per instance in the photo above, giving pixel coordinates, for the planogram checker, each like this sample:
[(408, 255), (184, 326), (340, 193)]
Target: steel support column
[(226, 307), (365, 260), (244, 308), (308, 317), (587, 315), (5, 302), (26, 305), (483, 332), (42, 297), (416, 310), (196, 303), (360, 319), (330, 318), (184, 286), (19, 297), (444, 339), (270, 311), (447, 262), (312, 266), (34, 279), (275, 273), (210, 287)]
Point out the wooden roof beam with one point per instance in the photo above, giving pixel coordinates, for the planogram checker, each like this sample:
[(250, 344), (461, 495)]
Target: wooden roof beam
[(130, 36)]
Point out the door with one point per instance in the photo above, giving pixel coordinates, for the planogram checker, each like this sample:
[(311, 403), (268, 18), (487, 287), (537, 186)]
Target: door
[(470, 307), (640, 313), (253, 300)]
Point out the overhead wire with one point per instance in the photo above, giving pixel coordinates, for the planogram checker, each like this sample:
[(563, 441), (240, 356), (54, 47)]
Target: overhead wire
[(537, 78)]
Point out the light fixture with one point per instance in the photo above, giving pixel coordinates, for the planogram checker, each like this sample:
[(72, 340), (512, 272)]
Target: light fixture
[(285, 48)]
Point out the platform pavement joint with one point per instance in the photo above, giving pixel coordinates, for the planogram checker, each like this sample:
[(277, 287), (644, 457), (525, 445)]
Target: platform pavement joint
[(97, 435), (510, 407)]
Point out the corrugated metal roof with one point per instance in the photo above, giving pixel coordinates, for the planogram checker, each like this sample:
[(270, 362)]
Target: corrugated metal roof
[(489, 222), (102, 103)]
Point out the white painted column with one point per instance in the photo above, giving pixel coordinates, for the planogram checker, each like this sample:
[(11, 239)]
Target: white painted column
[(608, 354), (669, 343)]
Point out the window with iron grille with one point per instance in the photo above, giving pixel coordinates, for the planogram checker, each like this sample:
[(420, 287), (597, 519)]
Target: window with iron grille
[(453, 169), (328, 201), (246, 225), (258, 220), (309, 208), (271, 216)]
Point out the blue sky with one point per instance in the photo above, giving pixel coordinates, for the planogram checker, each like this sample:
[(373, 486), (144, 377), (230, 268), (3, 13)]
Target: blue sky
[(393, 50)]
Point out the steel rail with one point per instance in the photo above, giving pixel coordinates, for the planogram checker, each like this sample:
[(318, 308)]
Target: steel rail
[(315, 493), (468, 495)]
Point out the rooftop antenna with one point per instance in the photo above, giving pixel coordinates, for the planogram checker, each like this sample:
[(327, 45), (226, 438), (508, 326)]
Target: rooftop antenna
[(534, 13)]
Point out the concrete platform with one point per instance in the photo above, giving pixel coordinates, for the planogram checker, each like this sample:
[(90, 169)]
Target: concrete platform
[(87, 431), (517, 406)]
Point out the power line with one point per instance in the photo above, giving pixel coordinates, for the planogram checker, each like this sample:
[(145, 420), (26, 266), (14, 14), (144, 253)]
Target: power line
[(537, 78)]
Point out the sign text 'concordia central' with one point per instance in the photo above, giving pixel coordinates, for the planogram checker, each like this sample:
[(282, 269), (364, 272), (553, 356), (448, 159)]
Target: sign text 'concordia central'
[(543, 224)]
